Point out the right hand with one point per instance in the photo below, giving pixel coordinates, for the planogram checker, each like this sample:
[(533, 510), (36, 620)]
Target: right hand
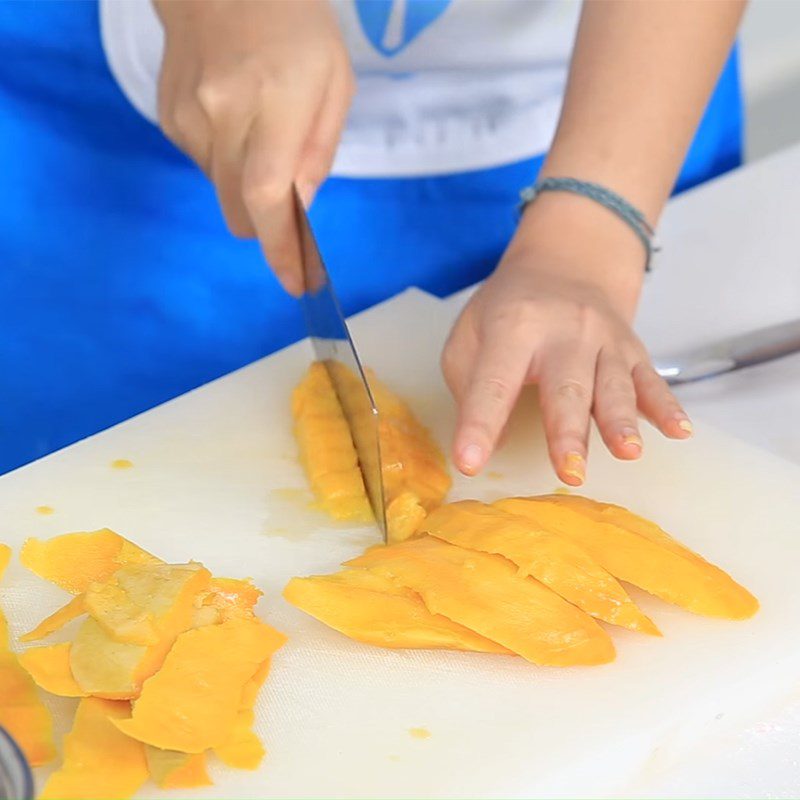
[(257, 94)]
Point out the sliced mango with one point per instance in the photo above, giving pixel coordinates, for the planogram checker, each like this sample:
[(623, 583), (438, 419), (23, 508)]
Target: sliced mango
[(486, 594), (371, 608), (326, 448), (140, 604), (404, 515), (170, 769), (549, 557), (57, 620), (243, 749), (161, 595), (22, 712), (49, 667), (191, 703), (639, 552), (5, 558), (75, 560), (99, 761)]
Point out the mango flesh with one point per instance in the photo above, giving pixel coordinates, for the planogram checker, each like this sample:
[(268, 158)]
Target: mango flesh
[(486, 594), (171, 769), (191, 704), (326, 448), (639, 552), (99, 762), (413, 468), (550, 558), (49, 667), (104, 660), (57, 620), (373, 609), (22, 712), (75, 560)]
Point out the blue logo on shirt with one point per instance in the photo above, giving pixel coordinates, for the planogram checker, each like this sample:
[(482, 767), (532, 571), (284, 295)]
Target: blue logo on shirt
[(390, 25)]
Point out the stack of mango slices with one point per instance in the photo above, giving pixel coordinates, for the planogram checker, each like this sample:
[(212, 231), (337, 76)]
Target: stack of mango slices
[(414, 472), (167, 662), (529, 576)]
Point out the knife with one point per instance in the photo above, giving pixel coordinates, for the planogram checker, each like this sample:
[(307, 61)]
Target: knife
[(334, 347), (744, 350)]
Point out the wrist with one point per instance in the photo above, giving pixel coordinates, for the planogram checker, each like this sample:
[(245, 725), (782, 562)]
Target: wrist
[(578, 239)]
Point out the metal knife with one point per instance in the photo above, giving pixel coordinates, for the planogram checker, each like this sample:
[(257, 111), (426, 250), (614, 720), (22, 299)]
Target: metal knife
[(334, 347), (744, 350)]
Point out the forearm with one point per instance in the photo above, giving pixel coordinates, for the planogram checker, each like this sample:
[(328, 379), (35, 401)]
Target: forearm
[(642, 73)]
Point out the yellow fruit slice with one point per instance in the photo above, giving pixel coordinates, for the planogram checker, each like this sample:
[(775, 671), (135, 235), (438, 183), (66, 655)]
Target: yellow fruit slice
[(373, 609), (404, 515), (22, 712), (57, 620), (99, 761), (171, 769), (486, 594), (326, 448), (549, 557), (192, 702), (75, 560), (49, 667), (639, 552)]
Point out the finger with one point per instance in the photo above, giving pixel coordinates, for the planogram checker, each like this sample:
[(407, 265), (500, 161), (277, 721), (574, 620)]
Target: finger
[(615, 407), (658, 404), (499, 371), (566, 384), (320, 148), (459, 353), (272, 153)]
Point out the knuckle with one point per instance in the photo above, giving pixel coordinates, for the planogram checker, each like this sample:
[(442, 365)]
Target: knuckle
[(266, 192), (572, 390), (617, 385), (495, 390), (213, 98)]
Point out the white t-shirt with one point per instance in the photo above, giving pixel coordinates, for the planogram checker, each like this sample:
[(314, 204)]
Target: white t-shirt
[(443, 85)]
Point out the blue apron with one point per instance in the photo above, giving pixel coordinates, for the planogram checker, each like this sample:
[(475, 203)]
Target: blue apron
[(119, 285)]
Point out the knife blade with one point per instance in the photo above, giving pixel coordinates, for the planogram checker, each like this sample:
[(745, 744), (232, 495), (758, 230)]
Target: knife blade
[(735, 352), (333, 346)]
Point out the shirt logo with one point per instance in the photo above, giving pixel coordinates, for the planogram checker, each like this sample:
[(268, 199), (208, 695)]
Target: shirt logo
[(391, 25)]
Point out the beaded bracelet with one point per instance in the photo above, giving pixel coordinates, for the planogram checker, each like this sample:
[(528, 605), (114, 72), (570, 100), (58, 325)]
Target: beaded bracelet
[(600, 194)]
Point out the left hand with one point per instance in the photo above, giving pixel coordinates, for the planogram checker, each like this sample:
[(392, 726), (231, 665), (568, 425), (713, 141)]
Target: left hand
[(557, 312)]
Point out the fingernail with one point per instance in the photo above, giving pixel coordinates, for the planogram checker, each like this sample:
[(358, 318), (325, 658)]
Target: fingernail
[(685, 425), (575, 466), (631, 437), (471, 459)]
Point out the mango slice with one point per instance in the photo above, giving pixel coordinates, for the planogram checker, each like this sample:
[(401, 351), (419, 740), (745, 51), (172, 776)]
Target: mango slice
[(75, 560), (49, 667), (57, 620), (22, 712), (244, 749), (5, 558), (326, 448), (485, 593), (550, 558), (160, 600), (99, 762), (170, 769), (370, 608), (191, 703), (404, 516), (639, 552)]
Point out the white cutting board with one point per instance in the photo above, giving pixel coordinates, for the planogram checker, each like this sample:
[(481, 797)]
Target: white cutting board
[(215, 479)]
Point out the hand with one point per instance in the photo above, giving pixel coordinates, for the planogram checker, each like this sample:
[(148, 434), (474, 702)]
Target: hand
[(557, 312), (257, 94)]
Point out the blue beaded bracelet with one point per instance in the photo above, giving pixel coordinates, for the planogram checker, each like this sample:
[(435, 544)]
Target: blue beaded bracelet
[(600, 194)]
